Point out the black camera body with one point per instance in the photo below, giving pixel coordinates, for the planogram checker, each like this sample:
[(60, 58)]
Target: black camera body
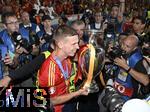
[(116, 52), (20, 41)]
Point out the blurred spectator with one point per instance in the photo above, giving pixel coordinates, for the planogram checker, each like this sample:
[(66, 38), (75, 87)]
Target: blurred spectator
[(100, 22), (116, 16), (88, 18), (33, 31), (79, 26), (47, 34), (139, 23), (68, 7), (59, 7), (63, 20), (7, 7)]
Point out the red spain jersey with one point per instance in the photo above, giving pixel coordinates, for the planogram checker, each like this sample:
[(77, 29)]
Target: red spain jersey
[(50, 75)]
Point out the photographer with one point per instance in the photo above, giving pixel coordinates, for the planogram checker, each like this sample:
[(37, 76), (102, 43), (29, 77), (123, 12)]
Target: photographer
[(129, 75), (11, 25), (114, 47), (13, 38), (47, 33), (32, 31)]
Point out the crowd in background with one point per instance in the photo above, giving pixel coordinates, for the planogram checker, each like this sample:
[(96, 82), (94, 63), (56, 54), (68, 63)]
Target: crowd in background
[(69, 7)]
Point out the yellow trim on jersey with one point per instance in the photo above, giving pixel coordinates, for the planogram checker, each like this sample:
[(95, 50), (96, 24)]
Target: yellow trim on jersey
[(51, 74), (72, 77), (46, 53)]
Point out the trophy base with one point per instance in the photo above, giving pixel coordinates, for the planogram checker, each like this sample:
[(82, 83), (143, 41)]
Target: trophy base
[(93, 87)]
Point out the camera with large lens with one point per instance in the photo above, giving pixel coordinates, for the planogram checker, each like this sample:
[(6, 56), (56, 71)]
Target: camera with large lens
[(115, 52), (112, 100), (20, 41)]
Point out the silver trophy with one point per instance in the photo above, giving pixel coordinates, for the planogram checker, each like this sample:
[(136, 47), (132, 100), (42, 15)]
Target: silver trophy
[(91, 59)]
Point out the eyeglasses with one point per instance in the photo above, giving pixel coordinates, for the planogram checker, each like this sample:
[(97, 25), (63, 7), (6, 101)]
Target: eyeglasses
[(15, 22)]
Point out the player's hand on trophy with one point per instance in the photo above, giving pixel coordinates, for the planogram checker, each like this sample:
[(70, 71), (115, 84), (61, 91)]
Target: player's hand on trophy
[(83, 91)]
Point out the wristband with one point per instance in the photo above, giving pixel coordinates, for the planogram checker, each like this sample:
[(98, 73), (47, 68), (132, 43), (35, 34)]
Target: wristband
[(129, 69)]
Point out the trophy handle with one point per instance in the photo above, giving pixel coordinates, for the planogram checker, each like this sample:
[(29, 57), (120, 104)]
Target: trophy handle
[(91, 67)]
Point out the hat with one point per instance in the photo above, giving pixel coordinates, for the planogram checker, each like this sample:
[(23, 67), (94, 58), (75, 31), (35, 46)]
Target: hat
[(46, 17)]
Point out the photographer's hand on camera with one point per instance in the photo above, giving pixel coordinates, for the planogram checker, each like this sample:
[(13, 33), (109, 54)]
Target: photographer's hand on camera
[(120, 61), (20, 50), (35, 49), (83, 91), (139, 76), (112, 52)]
